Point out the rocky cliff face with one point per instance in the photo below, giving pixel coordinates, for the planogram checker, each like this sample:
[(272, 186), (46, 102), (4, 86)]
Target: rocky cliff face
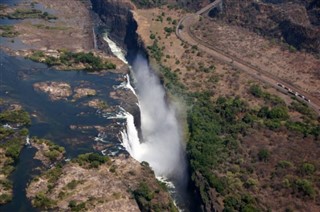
[(117, 17), (296, 22)]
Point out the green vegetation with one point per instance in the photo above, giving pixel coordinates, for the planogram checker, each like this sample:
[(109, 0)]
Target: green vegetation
[(307, 169), (144, 196), (257, 91), (169, 30), (54, 152), (70, 59), (305, 187), (91, 160), (12, 141), (74, 206), (8, 31), (155, 51), (15, 117), (73, 184), (143, 192), (42, 201), (216, 148), (215, 128), (303, 109), (152, 36), (42, 26), (284, 164), (4, 198), (53, 174), (263, 155), (171, 80), (30, 13)]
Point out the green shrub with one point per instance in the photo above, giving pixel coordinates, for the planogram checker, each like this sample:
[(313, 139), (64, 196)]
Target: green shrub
[(256, 91), (307, 169), (152, 36), (76, 207), (263, 155), (30, 13), (284, 164), (306, 187), (13, 151), (42, 201), (272, 124), (94, 160), (143, 191), (15, 117), (4, 198), (278, 112), (73, 184), (304, 109), (53, 174)]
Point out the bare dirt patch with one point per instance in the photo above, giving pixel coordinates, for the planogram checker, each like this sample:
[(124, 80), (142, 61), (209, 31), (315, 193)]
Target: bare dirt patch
[(298, 68), (72, 30)]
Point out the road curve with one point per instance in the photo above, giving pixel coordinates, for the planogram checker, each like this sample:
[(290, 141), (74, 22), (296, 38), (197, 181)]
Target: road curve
[(184, 33)]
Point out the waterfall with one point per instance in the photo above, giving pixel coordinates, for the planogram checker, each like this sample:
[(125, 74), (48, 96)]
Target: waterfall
[(94, 38), (162, 146), (115, 49)]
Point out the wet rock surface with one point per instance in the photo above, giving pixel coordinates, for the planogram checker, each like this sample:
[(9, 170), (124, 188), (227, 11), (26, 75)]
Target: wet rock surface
[(55, 90), (84, 92)]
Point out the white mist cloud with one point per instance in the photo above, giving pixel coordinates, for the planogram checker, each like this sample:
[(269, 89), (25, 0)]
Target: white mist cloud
[(162, 147)]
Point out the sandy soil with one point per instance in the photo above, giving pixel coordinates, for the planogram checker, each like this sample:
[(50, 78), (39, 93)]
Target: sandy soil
[(298, 68), (222, 80)]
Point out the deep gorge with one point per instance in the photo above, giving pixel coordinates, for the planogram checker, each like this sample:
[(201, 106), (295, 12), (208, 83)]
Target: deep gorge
[(121, 26)]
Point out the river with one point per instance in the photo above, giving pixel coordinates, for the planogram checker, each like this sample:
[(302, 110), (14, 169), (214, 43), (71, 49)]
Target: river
[(161, 142)]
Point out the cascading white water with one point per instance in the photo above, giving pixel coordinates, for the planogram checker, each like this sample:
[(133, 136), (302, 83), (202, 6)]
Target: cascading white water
[(162, 146), (114, 48)]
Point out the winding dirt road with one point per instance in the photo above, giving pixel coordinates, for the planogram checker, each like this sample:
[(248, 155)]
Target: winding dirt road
[(184, 33)]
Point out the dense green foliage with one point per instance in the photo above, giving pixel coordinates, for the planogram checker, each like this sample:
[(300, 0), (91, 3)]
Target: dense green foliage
[(213, 128), (214, 131), (144, 196), (155, 51), (30, 13), (15, 117), (171, 81), (42, 201), (67, 58), (303, 109), (74, 206), (91, 160), (144, 192), (54, 173)]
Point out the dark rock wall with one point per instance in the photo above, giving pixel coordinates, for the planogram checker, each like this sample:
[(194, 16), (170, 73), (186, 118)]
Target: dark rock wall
[(296, 22), (117, 17)]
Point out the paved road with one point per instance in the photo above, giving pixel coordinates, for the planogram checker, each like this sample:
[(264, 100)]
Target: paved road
[(185, 34)]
